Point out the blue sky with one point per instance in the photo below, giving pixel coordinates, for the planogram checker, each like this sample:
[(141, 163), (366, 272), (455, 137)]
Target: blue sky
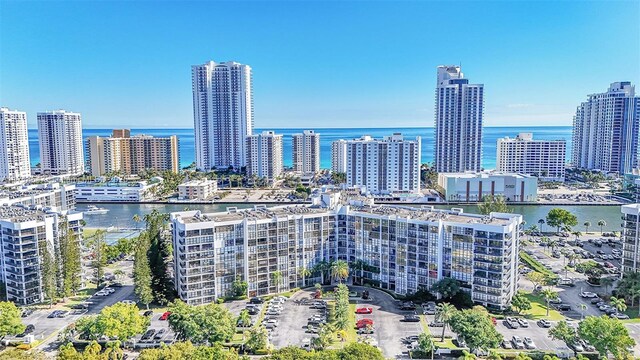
[(319, 64)]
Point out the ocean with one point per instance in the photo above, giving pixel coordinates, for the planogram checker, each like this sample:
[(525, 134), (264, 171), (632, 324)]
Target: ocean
[(328, 135)]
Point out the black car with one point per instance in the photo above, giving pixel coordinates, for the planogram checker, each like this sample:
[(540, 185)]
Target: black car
[(436, 324), (564, 307), (54, 314), (26, 312), (159, 334), (411, 318), (27, 330), (148, 335), (253, 311), (256, 300), (148, 313)]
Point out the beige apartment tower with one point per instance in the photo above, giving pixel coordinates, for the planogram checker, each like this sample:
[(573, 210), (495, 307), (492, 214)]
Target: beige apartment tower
[(130, 155)]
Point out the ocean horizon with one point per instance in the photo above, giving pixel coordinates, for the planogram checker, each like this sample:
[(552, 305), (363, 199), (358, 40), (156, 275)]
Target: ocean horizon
[(327, 135)]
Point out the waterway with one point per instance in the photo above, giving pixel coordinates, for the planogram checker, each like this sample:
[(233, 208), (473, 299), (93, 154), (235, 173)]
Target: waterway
[(121, 215)]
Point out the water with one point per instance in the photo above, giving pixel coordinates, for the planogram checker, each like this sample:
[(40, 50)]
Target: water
[(120, 215), (327, 136)]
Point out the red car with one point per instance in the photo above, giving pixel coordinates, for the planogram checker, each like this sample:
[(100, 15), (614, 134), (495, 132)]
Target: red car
[(364, 323), (494, 321), (364, 310), (165, 315)]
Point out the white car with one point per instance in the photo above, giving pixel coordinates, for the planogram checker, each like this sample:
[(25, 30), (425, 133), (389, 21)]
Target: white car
[(109, 290), (128, 302), (101, 293), (523, 322), (529, 343), (588, 295), (517, 342)]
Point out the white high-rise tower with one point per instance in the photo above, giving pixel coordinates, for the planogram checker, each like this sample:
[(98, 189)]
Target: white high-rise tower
[(14, 145), (306, 152), (223, 113), (61, 149), (459, 112)]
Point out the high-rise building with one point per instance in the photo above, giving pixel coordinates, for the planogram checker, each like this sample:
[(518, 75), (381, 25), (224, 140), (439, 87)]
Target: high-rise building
[(131, 154), (223, 113), (264, 155), (387, 165), (605, 130), (60, 136), (339, 156), (630, 238), (459, 113), (14, 145), (306, 152), (29, 235), (404, 248), (542, 158)]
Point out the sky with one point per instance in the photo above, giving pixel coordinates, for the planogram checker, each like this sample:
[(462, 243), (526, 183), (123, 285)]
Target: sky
[(315, 64)]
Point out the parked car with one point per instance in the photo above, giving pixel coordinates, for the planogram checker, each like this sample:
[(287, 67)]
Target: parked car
[(544, 323), (507, 344), (26, 312), (436, 324), (517, 342), (148, 313), (363, 323), (528, 343), (159, 334), (128, 302), (576, 346), (588, 295), (564, 307), (256, 300), (165, 315), (511, 323), (148, 334), (364, 310), (620, 316), (411, 318), (27, 330), (523, 322)]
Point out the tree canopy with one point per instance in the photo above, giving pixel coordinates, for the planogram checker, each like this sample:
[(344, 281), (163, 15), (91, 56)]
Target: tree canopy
[(10, 322), (558, 218), (491, 203), (447, 287), (119, 321), (209, 323), (608, 335), (476, 328)]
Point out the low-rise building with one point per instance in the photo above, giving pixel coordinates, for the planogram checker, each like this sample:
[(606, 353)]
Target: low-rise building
[(197, 189), (52, 195), (28, 235), (404, 248), (474, 186), (114, 191)]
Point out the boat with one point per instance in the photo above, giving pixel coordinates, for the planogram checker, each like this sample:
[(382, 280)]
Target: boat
[(94, 210)]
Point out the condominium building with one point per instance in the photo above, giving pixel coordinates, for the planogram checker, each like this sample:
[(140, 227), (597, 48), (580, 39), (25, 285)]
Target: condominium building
[(306, 152), (474, 186), (114, 191), (458, 123), (223, 113), (264, 155), (605, 130), (339, 156), (405, 249), (130, 155), (197, 189), (14, 146), (26, 233), (384, 166), (60, 136), (630, 238), (542, 158), (56, 196)]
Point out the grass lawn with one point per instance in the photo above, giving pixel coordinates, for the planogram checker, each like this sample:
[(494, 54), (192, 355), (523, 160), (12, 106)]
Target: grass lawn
[(539, 310), (89, 232), (446, 344)]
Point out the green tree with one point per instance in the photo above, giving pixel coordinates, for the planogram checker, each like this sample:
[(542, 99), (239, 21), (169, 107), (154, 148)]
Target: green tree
[(607, 335), (339, 270), (536, 278), (321, 268), (341, 308), (304, 272), (606, 282), (257, 339), (359, 265), (142, 272), (49, 266), (71, 268), (239, 287), (587, 225), (120, 321), (602, 224), (98, 247), (210, 323), (520, 302), (618, 304), (186, 350), (426, 345), (276, 278), (476, 328), (558, 218), (159, 254), (244, 318), (563, 332), (491, 203), (17, 354), (548, 295), (447, 287), (10, 323), (444, 313), (338, 177)]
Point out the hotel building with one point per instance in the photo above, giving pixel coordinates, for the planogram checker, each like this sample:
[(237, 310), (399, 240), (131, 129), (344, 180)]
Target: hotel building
[(130, 155), (60, 136), (264, 155), (306, 152), (542, 158), (605, 130), (14, 146), (405, 248), (223, 114), (458, 123)]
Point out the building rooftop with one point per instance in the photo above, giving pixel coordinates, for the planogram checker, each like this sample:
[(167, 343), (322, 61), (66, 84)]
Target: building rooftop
[(258, 212), (430, 214), (484, 174)]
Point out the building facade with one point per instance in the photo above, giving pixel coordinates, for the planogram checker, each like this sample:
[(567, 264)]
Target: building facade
[(25, 235), (404, 248), (264, 155), (197, 189), (114, 191), (59, 197), (60, 137), (473, 187), (605, 130), (130, 155), (15, 163), (223, 113), (542, 158), (339, 156), (458, 124), (630, 238), (384, 166), (306, 152)]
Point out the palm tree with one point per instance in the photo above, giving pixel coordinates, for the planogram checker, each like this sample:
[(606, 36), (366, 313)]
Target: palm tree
[(136, 218), (618, 304), (276, 277), (444, 313), (359, 265), (577, 234), (320, 267), (602, 224), (586, 224), (582, 307), (606, 282), (305, 273), (244, 318), (340, 270), (541, 222), (548, 294)]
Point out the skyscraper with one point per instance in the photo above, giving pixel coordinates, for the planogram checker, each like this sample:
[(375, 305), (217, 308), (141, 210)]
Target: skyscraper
[(264, 155), (306, 152), (458, 123), (14, 145), (222, 112), (339, 156), (60, 136), (605, 130)]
